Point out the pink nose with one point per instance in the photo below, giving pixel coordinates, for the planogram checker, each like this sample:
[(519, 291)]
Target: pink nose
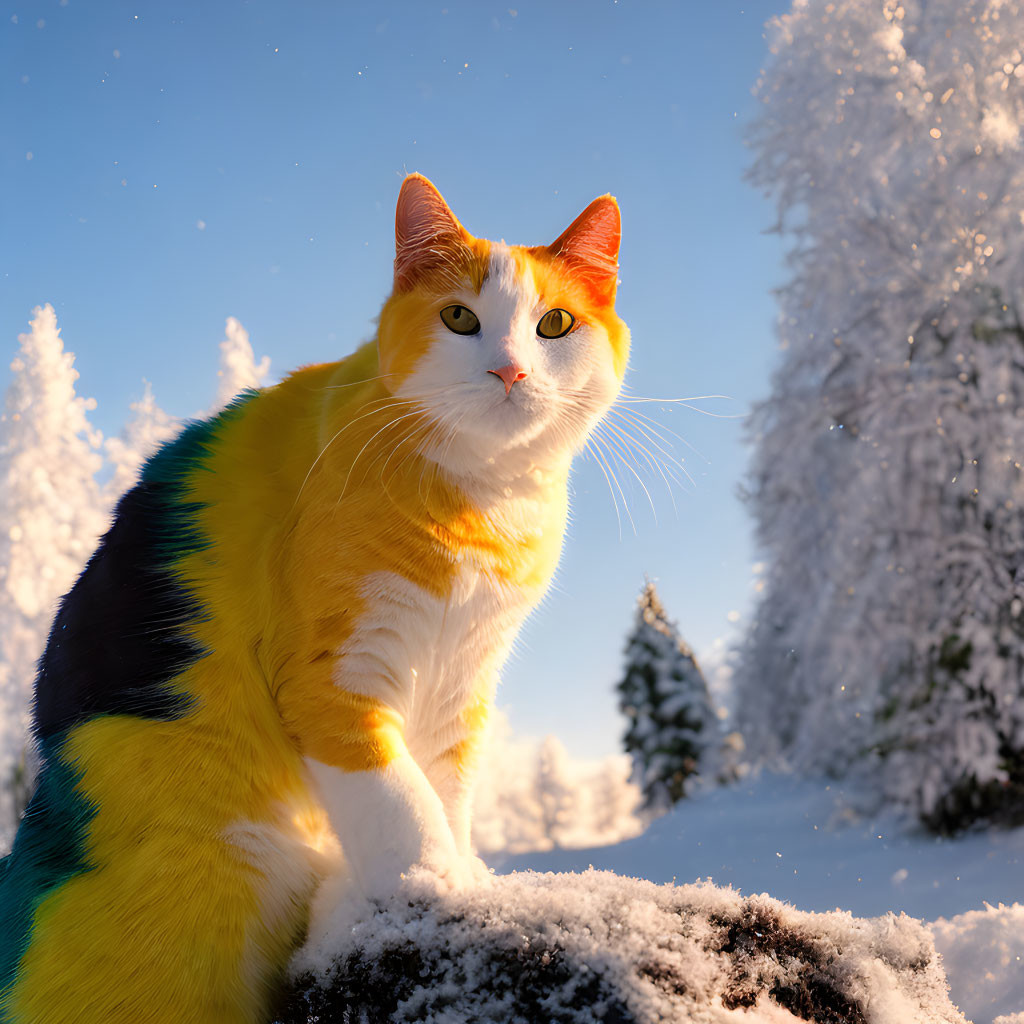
[(509, 375)]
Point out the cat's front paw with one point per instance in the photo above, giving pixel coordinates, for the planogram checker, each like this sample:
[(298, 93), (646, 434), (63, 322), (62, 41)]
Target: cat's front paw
[(451, 875)]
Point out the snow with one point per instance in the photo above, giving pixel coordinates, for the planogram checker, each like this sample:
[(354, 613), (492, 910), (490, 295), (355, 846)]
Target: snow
[(238, 367), (798, 840), (575, 949), (147, 428), (50, 518)]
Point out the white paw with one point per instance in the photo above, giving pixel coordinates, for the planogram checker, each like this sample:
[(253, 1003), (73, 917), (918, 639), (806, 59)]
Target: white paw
[(453, 874)]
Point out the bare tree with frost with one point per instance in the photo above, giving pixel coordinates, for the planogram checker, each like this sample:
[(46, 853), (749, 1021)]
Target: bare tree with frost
[(887, 480), (672, 730), (50, 519)]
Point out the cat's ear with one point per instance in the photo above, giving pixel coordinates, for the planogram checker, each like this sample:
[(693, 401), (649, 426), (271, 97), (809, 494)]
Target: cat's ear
[(590, 245), (428, 238)]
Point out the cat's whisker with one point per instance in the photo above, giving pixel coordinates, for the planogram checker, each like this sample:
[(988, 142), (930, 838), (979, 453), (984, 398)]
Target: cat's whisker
[(390, 425), (408, 436), (686, 405), (668, 459), (685, 401), (415, 450), (594, 446), (437, 463), (657, 427), (615, 446), (630, 447), (350, 423), (355, 383)]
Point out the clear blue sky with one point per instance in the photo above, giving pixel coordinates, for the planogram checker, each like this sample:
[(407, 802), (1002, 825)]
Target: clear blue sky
[(165, 165)]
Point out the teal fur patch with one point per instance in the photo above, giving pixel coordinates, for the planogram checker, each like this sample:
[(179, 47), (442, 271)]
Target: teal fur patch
[(168, 469), (49, 849)]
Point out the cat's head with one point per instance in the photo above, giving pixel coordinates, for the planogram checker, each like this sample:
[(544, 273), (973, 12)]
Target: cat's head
[(515, 352)]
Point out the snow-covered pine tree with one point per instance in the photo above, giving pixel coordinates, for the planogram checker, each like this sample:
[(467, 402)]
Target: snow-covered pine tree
[(50, 518), (238, 367), (147, 428), (663, 694), (887, 481)]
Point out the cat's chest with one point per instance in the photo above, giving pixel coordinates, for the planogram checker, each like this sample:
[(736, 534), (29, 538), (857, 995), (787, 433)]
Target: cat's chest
[(422, 653)]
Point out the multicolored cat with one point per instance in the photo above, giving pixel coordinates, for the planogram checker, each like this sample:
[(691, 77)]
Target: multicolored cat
[(297, 618)]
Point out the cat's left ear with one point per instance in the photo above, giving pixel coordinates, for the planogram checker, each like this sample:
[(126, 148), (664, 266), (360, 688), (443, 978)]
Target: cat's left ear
[(428, 237), (590, 245)]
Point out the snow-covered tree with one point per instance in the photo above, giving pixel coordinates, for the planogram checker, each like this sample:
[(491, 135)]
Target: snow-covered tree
[(615, 802), (887, 482), (555, 791), (50, 519), (52, 510), (147, 428), (238, 367), (532, 796), (663, 694)]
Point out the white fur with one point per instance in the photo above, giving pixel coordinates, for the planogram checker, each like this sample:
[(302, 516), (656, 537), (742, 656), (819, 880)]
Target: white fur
[(488, 438), (389, 821), (422, 655), (427, 657), (289, 870)]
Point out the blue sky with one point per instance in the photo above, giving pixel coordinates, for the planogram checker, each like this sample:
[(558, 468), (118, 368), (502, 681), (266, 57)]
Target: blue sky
[(166, 165)]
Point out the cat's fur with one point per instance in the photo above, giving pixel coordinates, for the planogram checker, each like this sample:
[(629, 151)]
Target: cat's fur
[(293, 629)]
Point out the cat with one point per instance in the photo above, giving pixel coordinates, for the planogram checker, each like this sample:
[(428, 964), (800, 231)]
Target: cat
[(290, 635)]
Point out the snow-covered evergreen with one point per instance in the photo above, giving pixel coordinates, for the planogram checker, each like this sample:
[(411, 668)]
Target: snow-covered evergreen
[(238, 367), (50, 518), (53, 508), (672, 726), (147, 428), (887, 481)]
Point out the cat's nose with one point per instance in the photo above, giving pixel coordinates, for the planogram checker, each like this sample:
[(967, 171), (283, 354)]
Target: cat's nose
[(509, 374)]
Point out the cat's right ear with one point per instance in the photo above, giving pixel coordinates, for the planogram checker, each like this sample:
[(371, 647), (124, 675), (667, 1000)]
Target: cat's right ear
[(428, 237), (590, 246)]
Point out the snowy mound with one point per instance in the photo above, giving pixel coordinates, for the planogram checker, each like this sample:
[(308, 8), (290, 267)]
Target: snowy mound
[(575, 949)]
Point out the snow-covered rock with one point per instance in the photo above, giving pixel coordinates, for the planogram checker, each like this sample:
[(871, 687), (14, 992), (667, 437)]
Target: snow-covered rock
[(534, 948)]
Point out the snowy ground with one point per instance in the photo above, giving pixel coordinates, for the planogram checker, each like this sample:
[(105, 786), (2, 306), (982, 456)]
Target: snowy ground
[(795, 840)]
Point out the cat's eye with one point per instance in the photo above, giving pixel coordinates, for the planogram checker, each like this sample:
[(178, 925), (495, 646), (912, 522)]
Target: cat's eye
[(555, 323), (460, 320)]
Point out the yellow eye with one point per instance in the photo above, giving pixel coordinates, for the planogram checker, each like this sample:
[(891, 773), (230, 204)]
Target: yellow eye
[(460, 320), (555, 323)]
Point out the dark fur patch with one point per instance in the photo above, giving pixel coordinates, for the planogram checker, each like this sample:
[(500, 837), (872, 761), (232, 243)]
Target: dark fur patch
[(119, 636), (122, 633)]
